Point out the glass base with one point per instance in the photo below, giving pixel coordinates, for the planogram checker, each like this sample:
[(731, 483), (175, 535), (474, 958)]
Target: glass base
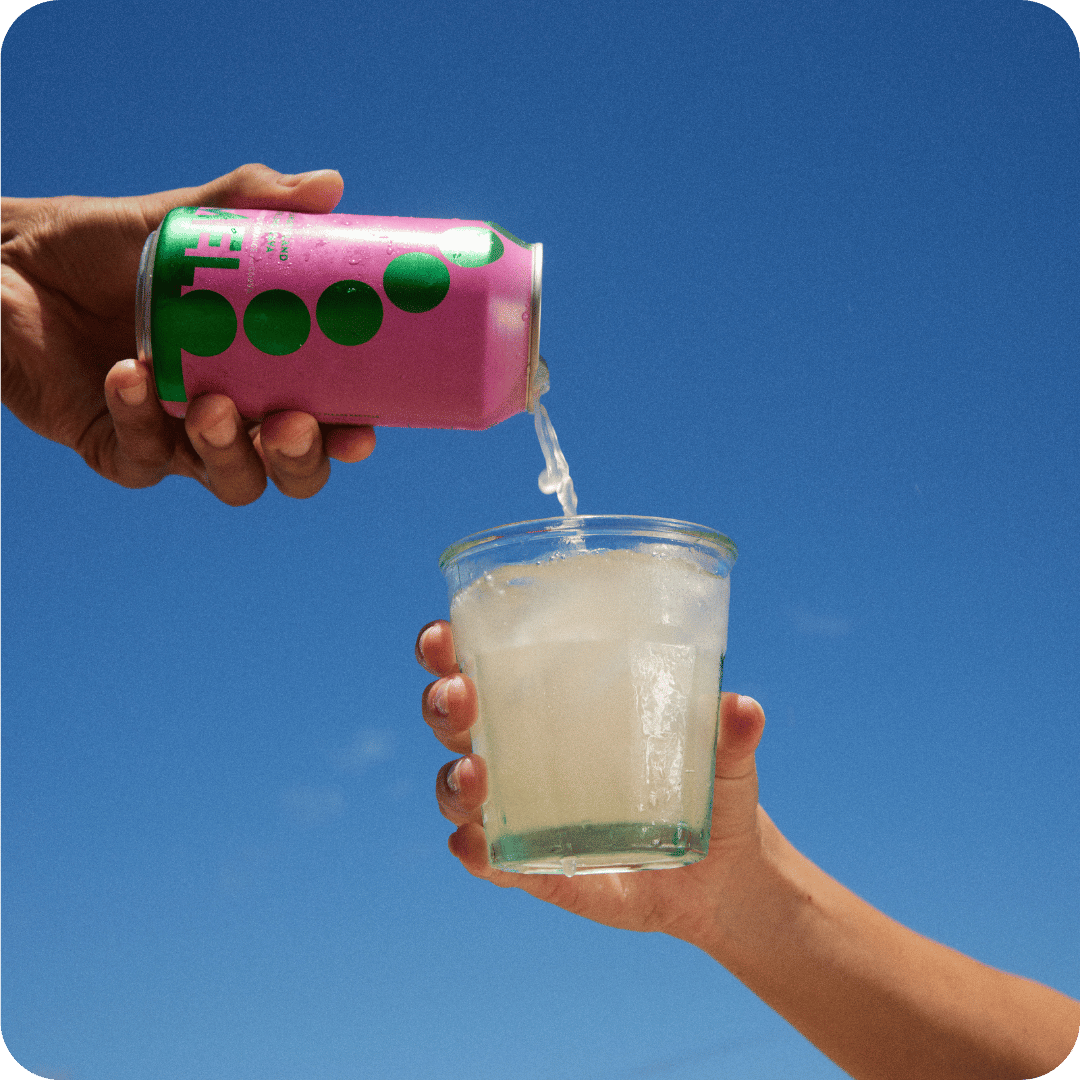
[(599, 849)]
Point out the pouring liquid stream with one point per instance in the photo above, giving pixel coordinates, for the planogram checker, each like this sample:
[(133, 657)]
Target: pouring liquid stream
[(555, 479)]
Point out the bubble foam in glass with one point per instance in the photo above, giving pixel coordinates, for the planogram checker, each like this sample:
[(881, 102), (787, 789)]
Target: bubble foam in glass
[(596, 644)]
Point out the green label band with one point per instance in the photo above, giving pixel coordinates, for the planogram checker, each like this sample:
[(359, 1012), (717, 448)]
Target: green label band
[(177, 321)]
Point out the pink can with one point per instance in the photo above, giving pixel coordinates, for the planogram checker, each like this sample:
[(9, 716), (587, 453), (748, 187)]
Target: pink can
[(401, 322)]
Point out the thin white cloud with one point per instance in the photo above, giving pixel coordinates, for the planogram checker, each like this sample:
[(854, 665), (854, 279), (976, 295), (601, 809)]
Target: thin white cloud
[(312, 805), (368, 745)]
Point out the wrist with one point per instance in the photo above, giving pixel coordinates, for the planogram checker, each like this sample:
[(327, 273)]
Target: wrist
[(761, 898)]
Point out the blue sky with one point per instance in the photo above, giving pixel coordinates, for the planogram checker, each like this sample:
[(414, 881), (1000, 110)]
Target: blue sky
[(812, 278)]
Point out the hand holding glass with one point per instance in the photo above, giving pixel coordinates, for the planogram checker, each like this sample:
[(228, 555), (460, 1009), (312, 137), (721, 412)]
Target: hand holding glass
[(596, 644)]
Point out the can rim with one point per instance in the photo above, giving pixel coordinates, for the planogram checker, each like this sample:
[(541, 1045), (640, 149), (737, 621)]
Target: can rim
[(143, 292), (534, 325), (571, 528)]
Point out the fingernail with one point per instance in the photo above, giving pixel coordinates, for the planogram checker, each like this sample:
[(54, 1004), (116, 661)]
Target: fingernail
[(221, 434), (133, 395), (439, 698), (299, 445), (452, 779), (420, 648), (292, 179)]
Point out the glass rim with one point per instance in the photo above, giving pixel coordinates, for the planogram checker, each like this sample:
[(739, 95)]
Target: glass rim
[(659, 528)]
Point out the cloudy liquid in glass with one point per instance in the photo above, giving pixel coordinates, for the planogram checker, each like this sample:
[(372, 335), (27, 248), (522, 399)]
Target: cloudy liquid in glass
[(597, 676)]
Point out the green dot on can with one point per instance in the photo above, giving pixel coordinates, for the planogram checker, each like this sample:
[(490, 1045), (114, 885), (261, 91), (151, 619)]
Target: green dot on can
[(470, 246), (277, 322), (349, 312), (416, 281), (204, 322)]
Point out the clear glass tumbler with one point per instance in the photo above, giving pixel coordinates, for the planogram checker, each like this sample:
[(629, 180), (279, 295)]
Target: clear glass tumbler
[(596, 644)]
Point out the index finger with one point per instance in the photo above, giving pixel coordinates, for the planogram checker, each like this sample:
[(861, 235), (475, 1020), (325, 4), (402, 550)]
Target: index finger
[(435, 648)]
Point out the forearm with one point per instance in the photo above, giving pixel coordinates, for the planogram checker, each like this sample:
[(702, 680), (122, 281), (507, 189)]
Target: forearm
[(881, 1001)]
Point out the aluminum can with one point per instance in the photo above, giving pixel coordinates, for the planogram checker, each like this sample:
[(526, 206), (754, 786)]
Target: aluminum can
[(401, 322)]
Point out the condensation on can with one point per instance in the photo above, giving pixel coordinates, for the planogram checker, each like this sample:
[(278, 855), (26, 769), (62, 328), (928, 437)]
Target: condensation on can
[(400, 322)]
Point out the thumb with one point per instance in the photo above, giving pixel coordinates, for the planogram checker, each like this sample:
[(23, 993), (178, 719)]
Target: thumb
[(255, 187), (259, 187), (742, 721), (735, 792)]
